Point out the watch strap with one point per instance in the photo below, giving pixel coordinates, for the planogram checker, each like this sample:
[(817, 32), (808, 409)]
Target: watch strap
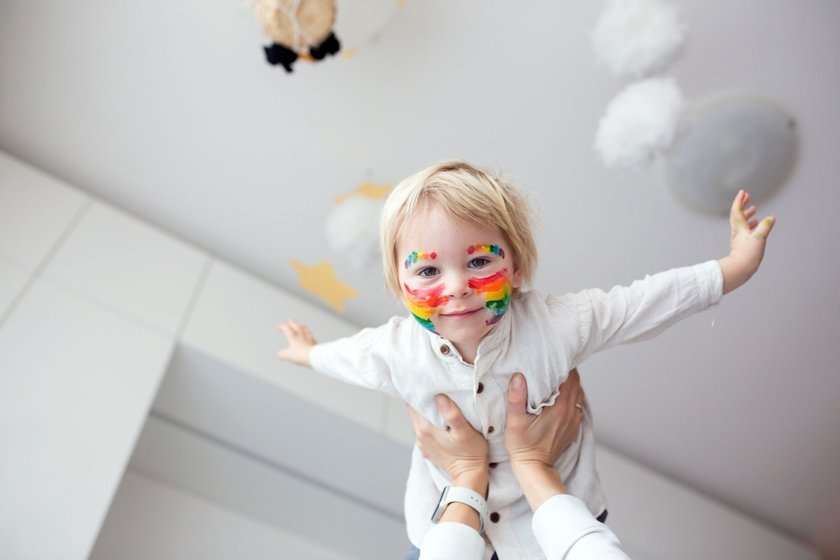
[(464, 496)]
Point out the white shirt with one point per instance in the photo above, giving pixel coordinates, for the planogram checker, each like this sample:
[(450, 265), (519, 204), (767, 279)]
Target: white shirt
[(562, 525), (541, 336)]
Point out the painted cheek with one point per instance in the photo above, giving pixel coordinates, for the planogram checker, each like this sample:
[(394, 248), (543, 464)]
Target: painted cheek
[(496, 290), (424, 303)]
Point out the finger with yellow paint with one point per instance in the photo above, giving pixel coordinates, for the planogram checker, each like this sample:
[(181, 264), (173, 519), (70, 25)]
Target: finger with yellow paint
[(747, 242)]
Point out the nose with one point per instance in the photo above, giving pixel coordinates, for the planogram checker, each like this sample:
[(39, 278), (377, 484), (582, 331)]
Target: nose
[(457, 285)]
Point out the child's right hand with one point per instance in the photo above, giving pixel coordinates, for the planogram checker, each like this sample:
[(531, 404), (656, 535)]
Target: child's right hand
[(300, 342)]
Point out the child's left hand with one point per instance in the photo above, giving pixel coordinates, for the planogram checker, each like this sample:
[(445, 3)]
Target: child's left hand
[(747, 240), (300, 340)]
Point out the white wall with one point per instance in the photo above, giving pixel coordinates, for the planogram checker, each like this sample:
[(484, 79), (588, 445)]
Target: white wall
[(152, 520), (91, 305)]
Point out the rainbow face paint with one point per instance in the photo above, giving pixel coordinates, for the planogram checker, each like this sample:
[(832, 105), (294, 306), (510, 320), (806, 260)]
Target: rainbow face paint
[(424, 303), (419, 256), (495, 249), (496, 291)]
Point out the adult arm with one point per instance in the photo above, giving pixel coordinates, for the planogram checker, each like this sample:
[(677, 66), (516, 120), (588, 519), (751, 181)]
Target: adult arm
[(462, 453), (535, 443), (562, 524)]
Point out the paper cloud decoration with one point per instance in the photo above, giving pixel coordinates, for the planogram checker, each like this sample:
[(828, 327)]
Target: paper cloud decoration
[(639, 124), (637, 38), (353, 230)]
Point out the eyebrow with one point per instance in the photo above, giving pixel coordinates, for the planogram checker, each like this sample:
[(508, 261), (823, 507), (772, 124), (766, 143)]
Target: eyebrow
[(415, 256), (495, 249)]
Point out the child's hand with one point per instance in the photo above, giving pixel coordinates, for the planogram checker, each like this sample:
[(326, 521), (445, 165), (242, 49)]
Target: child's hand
[(746, 243), (300, 342)]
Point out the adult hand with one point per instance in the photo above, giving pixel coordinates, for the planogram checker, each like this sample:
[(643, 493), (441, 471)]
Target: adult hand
[(542, 439), (534, 443), (459, 449)]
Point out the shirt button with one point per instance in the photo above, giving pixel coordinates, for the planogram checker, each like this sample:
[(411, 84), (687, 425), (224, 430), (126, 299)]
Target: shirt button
[(491, 429), (480, 388), (494, 517), (444, 349)]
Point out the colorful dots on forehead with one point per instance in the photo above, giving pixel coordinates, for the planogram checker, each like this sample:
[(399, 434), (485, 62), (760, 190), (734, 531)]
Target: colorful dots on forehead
[(415, 256), (495, 249)]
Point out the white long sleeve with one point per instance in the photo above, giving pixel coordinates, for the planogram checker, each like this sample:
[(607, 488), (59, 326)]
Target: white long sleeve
[(564, 528), (645, 308), (452, 541), (541, 336)]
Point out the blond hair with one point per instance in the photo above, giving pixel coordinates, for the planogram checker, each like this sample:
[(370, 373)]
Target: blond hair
[(466, 193)]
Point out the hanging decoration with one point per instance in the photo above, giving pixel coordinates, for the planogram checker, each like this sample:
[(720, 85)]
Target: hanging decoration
[(321, 281), (711, 150), (636, 40), (312, 30), (728, 144), (639, 124), (352, 227), (298, 29)]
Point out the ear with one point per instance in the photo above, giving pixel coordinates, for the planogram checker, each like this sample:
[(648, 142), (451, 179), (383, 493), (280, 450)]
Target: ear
[(516, 281)]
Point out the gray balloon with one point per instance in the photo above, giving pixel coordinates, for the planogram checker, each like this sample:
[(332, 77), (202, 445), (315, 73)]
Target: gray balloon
[(730, 144)]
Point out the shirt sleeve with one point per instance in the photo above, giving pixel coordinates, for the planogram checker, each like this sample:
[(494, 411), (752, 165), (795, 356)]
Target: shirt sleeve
[(360, 359), (452, 541), (566, 530), (645, 308)]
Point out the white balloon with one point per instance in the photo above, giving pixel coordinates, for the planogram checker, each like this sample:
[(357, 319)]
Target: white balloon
[(730, 144)]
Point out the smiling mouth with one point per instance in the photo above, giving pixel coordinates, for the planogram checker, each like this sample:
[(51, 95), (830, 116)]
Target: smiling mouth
[(459, 314)]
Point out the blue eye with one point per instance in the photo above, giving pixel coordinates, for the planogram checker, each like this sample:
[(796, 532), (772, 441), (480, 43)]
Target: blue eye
[(427, 272), (478, 262)]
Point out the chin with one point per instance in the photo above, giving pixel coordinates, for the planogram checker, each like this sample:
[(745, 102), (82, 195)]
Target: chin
[(465, 334)]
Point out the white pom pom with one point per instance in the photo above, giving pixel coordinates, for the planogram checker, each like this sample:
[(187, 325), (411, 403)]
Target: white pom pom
[(353, 230), (639, 123), (636, 38)]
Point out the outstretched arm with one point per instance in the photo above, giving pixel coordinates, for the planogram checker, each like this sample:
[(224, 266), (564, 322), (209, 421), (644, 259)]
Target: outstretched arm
[(649, 306), (300, 341), (747, 240)]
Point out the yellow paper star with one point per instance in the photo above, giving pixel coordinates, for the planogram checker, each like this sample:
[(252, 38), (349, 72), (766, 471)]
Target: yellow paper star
[(368, 190), (321, 281)]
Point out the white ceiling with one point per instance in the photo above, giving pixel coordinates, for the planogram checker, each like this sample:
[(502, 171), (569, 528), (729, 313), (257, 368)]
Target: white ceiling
[(168, 110)]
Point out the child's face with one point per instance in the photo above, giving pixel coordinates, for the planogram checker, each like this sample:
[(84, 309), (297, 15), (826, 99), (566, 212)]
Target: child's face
[(456, 277)]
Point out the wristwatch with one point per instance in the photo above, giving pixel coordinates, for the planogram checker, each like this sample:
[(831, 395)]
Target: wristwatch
[(465, 496)]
